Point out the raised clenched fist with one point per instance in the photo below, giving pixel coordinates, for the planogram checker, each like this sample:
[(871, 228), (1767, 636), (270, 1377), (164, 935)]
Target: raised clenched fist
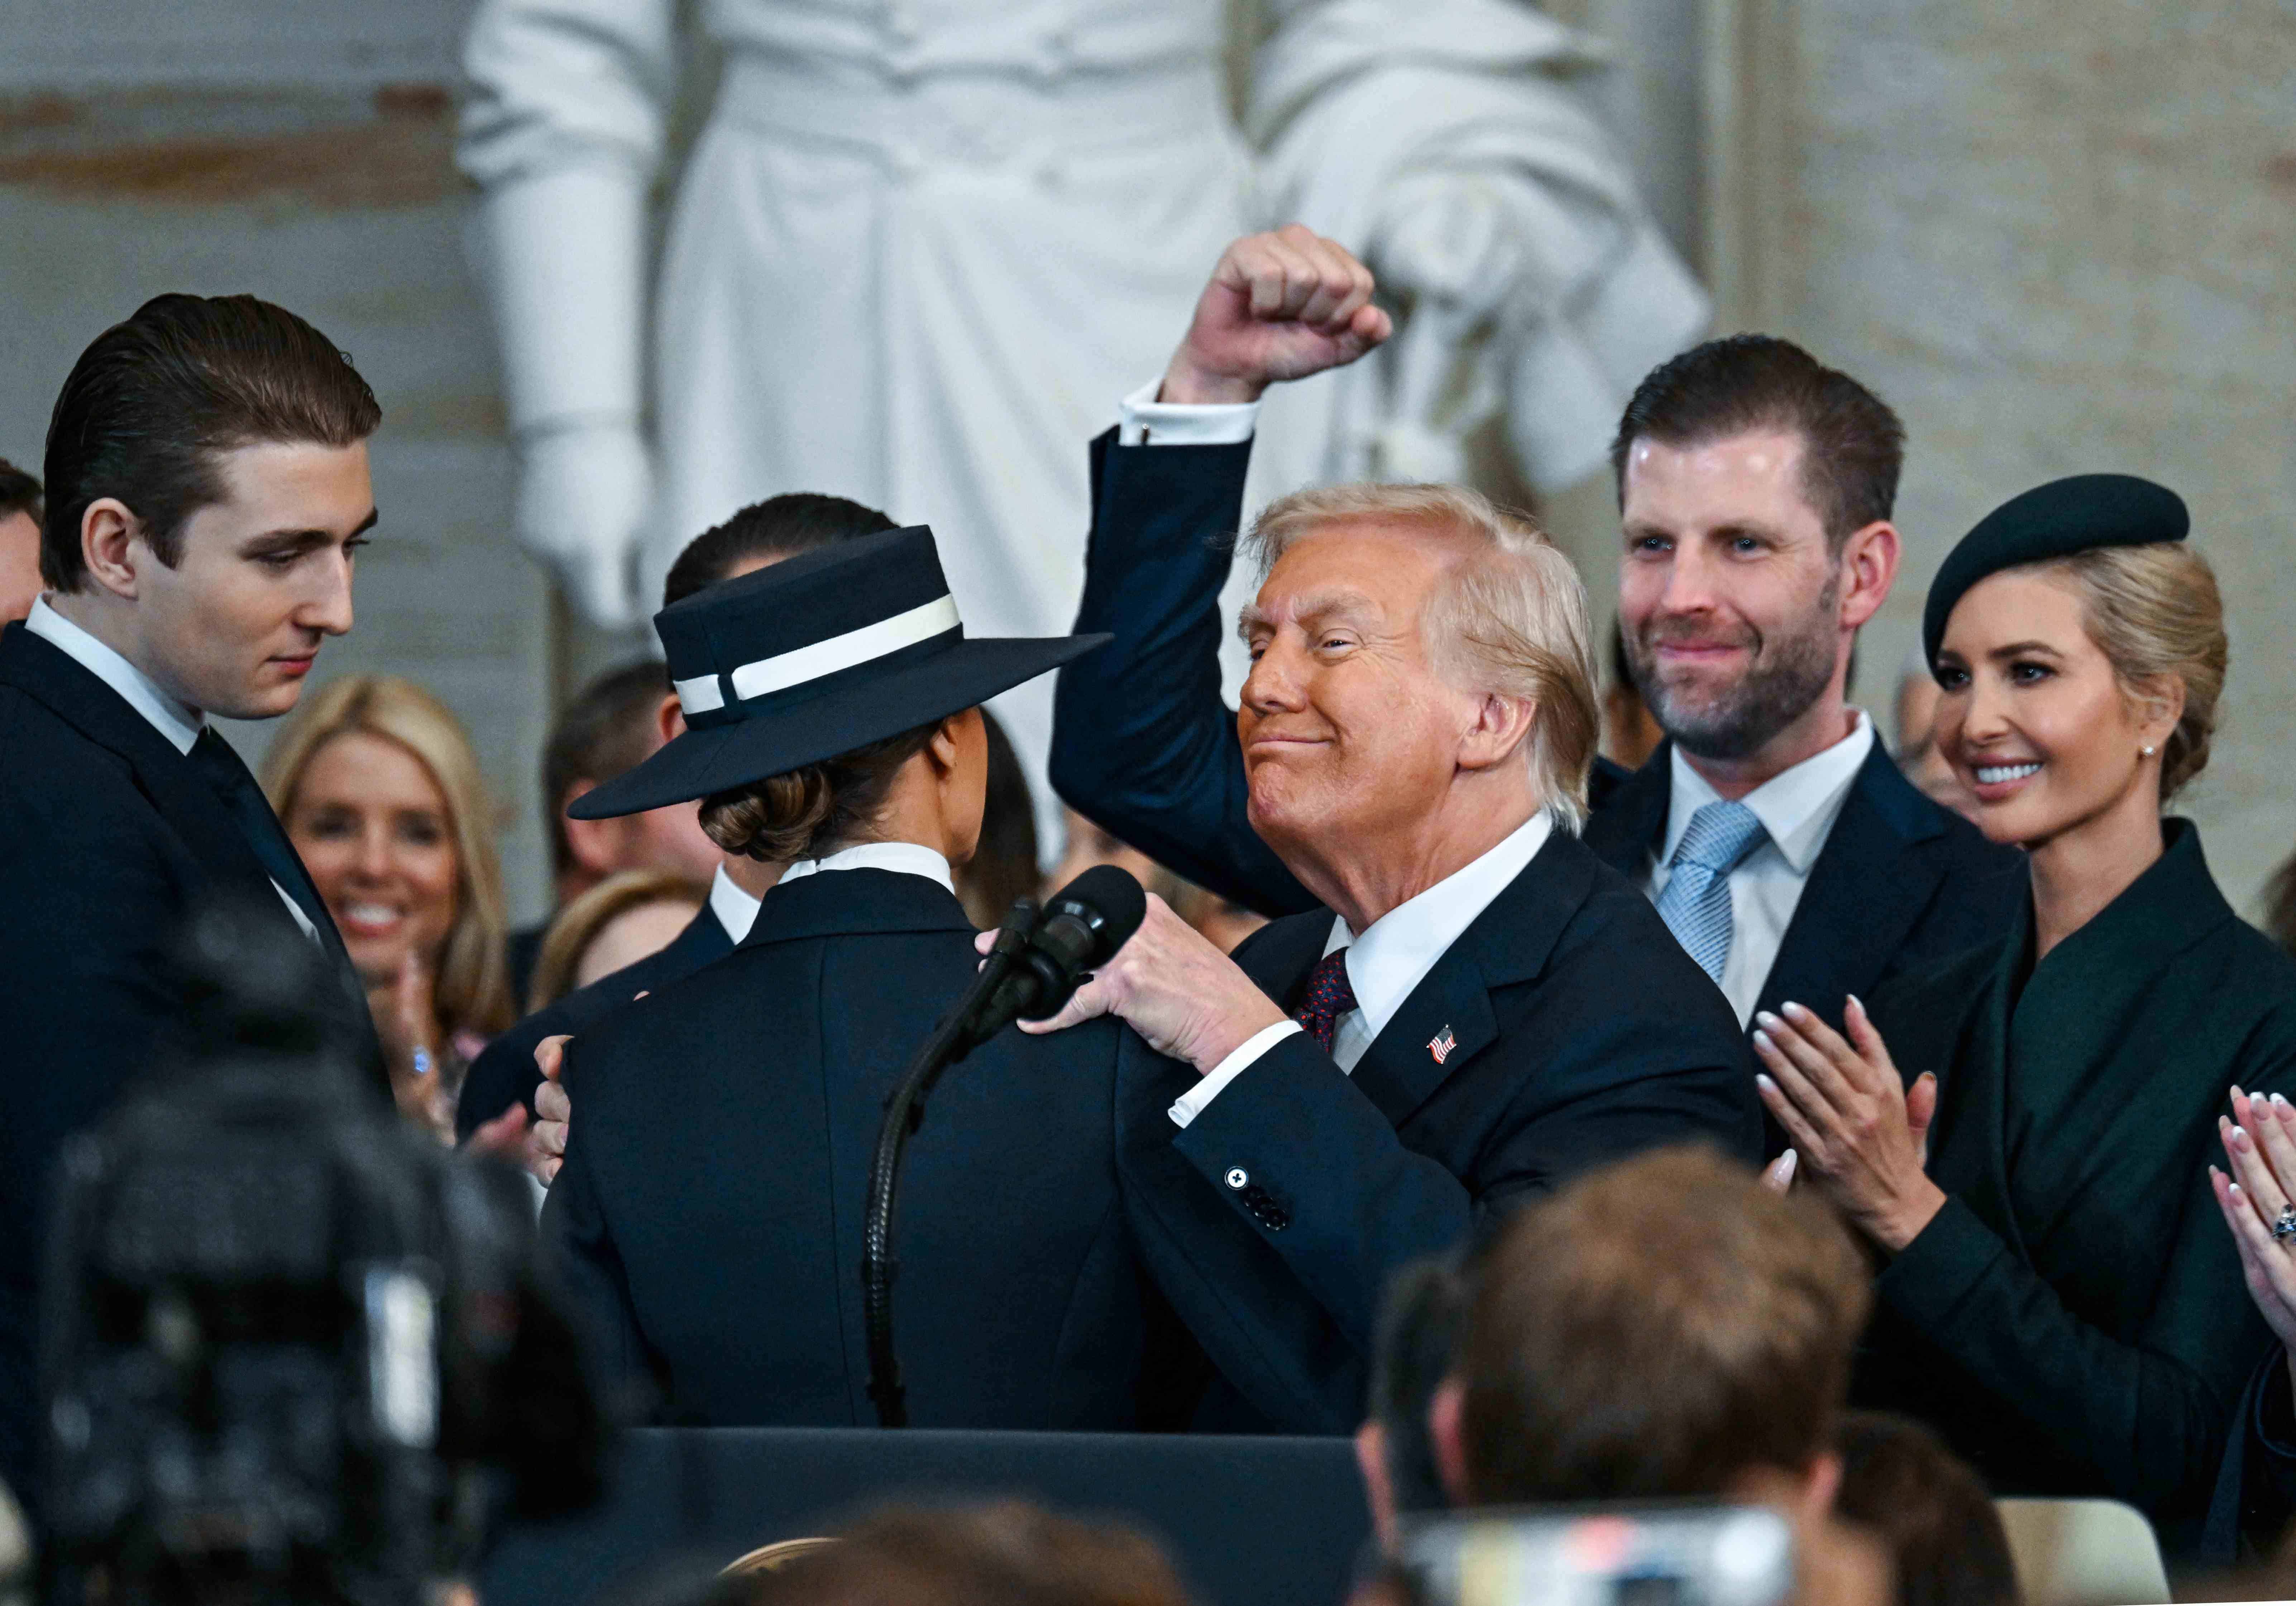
[(1279, 306)]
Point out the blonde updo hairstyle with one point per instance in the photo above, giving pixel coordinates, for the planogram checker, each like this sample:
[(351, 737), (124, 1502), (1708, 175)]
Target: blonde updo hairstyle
[(2156, 614), (806, 812)]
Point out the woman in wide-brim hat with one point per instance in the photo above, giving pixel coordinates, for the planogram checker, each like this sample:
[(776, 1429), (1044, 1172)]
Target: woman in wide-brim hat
[(2058, 1295), (709, 1209)]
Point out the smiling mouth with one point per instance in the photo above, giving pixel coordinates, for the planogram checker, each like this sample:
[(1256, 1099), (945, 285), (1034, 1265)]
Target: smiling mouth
[(370, 917), (1996, 774)]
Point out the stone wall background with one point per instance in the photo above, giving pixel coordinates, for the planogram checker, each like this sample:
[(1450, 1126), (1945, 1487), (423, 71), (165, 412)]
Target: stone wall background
[(2056, 238)]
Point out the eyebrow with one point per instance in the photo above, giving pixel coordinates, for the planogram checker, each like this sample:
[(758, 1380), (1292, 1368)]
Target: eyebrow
[(2018, 649), (1354, 606), (280, 540)]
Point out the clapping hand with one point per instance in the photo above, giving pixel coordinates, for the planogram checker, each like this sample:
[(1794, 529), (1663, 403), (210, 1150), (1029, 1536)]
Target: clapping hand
[(1280, 307), (1856, 1128), (2259, 1141)]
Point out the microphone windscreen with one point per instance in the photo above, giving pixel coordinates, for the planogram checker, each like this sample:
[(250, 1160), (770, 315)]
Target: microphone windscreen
[(1112, 903)]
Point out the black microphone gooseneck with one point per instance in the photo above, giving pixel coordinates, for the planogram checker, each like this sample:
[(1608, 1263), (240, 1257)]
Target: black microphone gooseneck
[(1033, 968)]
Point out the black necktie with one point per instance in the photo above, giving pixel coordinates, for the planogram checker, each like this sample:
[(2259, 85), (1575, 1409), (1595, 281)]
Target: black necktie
[(252, 813)]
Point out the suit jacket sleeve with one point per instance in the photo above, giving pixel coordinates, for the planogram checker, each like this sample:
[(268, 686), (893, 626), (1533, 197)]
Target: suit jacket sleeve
[(1142, 743), (579, 1247), (2151, 1415), (1360, 1204)]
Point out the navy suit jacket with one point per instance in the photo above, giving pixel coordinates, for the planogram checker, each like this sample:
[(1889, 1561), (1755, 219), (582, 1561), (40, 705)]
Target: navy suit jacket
[(109, 838), (1142, 744), (709, 1216), (1565, 1028), (504, 1073)]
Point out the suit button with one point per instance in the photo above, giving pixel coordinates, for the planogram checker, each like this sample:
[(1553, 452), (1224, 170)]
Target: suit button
[(1235, 1176)]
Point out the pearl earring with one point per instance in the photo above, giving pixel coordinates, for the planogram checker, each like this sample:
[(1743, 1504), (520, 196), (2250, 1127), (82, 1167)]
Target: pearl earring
[(2148, 752)]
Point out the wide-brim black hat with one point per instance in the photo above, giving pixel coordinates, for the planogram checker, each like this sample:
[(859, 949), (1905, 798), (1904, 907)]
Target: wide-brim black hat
[(816, 656)]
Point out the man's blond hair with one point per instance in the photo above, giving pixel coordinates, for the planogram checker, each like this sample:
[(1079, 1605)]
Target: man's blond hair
[(1510, 618)]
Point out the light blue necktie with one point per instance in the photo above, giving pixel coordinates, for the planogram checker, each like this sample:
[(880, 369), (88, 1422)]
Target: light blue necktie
[(1696, 902)]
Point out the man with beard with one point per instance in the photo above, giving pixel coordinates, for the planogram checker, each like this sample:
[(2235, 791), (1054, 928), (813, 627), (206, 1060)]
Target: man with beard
[(1755, 485)]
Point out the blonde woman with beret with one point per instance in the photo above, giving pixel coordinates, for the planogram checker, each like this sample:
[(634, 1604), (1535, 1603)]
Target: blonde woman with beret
[(2057, 1294)]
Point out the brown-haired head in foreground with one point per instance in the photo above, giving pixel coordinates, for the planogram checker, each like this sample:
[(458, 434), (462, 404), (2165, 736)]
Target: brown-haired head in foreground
[(808, 812), (1008, 1554), (1899, 1481), (764, 532), (1654, 1330), (1853, 445), (1510, 618), (154, 402)]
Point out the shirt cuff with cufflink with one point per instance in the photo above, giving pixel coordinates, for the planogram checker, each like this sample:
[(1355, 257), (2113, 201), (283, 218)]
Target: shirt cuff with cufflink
[(1143, 421)]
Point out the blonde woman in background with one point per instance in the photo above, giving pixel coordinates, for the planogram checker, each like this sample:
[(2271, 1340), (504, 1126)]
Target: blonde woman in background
[(379, 788), (613, 925)]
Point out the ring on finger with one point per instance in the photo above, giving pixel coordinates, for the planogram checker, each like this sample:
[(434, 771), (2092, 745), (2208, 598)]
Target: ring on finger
[(2283, 1229)]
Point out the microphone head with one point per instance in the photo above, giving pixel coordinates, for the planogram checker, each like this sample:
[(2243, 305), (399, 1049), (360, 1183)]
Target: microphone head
[(1107, 902)]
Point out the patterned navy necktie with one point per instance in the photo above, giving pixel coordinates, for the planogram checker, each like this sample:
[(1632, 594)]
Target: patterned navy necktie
[(1328, 996), (1696, 902)]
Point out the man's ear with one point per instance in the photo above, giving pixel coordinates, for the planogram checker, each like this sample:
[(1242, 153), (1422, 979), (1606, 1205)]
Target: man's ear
[(1447, 1435), (596, 845), (109, 536), (1502, 724), (1869, 567), (670, 719)]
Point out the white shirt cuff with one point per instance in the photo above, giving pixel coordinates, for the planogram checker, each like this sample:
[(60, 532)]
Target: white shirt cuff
[(1193, 1103), (1143, 421)]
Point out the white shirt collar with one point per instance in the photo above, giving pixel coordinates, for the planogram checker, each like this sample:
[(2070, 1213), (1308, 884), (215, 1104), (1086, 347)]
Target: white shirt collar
[(1396, 951), (912, 858), (735, 909), (178, 722), (1796, 806)]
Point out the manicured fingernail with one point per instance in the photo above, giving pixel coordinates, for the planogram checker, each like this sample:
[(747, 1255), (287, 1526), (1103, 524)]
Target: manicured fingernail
[(2239, 1138), (2280, 1102), (1762, 1039), (1858, 1002), (1768, 1018), (2235, 1191), (1794, 1011), (1764, 1083)]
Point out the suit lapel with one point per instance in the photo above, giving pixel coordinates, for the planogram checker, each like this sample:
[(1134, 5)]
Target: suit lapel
[(1868, 887), (1278, 956), (1448, 1019), (1628, 823)]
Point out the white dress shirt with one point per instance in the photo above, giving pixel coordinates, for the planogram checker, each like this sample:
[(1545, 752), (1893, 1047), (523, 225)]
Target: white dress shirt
[(1797, 808), (910, 858), (1388, 960), (1143, 421), (735, 909), (178, 722)]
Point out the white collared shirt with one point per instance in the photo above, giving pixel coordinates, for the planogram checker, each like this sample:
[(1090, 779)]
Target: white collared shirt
[(1390, 959), (1797, 808), (178, 722), (910, 858), (736, 910)]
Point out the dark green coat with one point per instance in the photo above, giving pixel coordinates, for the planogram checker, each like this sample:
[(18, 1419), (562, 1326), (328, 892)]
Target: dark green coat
[(2073, 1321)]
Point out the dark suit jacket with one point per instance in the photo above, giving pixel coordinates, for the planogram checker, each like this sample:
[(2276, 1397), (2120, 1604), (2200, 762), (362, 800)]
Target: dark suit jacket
[(1579, 1032), (709, 1212), (2255, 1496), (109, 837), (504, 1073), (2073, 1320), (1142, 744)]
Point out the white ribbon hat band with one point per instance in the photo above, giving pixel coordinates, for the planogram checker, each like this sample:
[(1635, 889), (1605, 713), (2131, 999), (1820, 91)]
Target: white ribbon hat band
[(701, 696)]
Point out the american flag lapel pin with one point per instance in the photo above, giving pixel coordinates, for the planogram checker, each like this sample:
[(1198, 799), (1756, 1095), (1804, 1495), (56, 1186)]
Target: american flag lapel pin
[(1441, 1044)]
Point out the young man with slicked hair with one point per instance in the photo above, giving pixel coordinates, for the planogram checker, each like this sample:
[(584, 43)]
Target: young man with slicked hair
[(207, 492)]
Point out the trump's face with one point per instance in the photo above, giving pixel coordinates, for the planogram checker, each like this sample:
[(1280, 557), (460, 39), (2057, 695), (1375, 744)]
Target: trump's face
[(1350, 739)]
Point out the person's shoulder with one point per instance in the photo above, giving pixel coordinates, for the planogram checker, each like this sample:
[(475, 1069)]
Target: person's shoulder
[(59, 785)]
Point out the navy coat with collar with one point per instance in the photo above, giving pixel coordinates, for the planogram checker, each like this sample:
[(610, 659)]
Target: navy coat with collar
[(1565, 1028), (109, 838), (1142, 744), (708, 1215), (503, 1074)]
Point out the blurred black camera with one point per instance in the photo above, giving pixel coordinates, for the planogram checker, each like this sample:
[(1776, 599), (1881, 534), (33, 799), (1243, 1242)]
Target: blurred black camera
[(293, 1350)]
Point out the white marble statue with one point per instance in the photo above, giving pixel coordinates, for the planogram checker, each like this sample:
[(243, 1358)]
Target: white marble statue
[(922, 247)]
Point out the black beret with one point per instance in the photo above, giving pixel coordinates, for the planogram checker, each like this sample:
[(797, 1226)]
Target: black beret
[(2053, 521)]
